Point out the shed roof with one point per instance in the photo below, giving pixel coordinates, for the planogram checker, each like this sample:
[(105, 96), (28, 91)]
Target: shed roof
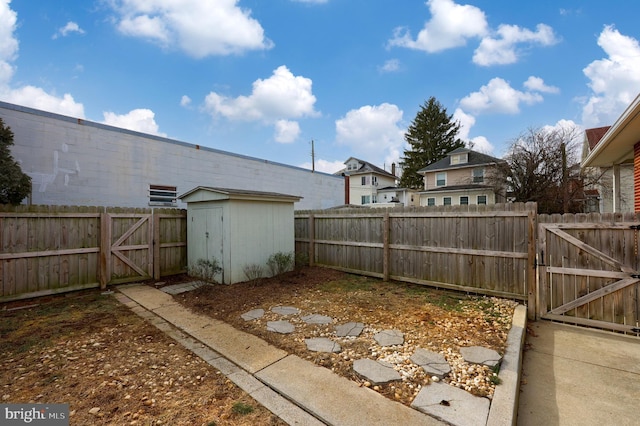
[(207, 193)]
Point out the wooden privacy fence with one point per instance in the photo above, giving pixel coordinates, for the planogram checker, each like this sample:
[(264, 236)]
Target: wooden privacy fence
[(589, 270), (49, 249), (482, 249)]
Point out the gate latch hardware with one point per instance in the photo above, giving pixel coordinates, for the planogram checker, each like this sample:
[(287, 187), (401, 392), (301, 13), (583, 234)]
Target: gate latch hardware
[(635, 227), (635, 330), (636, 276)]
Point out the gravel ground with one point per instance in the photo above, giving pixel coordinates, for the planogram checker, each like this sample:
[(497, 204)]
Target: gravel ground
[(436, 320)]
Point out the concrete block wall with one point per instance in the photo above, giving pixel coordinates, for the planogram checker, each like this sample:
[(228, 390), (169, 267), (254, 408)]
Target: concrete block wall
[(76, 162)]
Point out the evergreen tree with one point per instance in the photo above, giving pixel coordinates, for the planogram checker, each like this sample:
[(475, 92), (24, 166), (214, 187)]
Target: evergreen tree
[(431, 135), (14, 184)]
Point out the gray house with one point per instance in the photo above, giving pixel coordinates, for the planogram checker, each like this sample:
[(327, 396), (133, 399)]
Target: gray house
[(72, 161)]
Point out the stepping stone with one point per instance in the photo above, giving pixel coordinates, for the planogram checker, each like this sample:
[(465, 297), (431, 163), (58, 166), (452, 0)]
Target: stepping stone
[(480, 355), (322, 344), (283, 327), (349, 329), (253, 314), (432, 363), (317, 319), (285, 310), (375, 371), (389, 337), (182, 287), (452, 405)]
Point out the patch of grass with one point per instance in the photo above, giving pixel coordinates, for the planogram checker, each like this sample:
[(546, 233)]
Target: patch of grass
[(350, 283), (448, 301), (242, 408)]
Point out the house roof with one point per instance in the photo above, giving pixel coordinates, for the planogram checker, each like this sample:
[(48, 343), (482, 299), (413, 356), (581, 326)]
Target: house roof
[(475, 159), (594, 135), (365, 167), (235, 194), (616, 145)]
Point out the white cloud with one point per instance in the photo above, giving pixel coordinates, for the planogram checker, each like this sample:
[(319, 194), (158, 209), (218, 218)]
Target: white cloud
[(373, 133), (185, 101), (502, 49), (467, 121), (286, 131), (36, 97), (392, 65), (451, 25), (8, 43), (71, 27), (280, 96), (614, 80), (498, 97), (536, 84), (139, 120), (325, 166), (199, 27)]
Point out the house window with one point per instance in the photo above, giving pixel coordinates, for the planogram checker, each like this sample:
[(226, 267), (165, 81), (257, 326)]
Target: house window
[(374, 180), (374, 198), (446, 201), (364, 180), (478, 175), (162, 195), (365, 199), (464, 200), (482, 199), (431, 201), (441, 179), (459, 159)]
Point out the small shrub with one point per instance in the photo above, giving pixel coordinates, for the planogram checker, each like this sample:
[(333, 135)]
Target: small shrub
[(253, 271), (205, 270), (242, 408), (302, 259), (280, 263)]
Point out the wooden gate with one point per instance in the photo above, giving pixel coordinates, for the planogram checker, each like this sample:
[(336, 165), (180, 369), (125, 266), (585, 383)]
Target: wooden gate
[(129, 238), (589, 272)]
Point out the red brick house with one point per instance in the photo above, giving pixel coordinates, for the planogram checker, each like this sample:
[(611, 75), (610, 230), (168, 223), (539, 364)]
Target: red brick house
[(618, 147)]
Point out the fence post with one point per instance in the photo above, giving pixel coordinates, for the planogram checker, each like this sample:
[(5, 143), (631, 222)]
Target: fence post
[(105, 250), (156, 244), (385, 247), (532, 293), (312, 236)]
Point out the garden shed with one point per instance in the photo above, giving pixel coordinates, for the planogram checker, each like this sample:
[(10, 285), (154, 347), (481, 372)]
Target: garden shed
[(239, 228)]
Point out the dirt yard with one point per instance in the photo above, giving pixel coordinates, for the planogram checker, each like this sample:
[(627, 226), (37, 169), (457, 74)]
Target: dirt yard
[(431, 319), (91, 352), (88, 350)]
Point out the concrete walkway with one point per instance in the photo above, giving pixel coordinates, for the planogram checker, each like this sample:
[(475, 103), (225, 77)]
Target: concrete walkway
[(578, 376)]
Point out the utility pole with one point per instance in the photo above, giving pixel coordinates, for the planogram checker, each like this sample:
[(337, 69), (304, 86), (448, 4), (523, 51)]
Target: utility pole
[(313, 158)]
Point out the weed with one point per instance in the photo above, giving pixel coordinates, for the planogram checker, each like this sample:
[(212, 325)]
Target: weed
[(205, 270), (280, 263), (301, 259), (494, 378), (242, 408), (446, 301), (253, 271)]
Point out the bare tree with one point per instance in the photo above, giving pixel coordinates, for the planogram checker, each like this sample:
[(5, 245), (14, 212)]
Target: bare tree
[(543, 165)]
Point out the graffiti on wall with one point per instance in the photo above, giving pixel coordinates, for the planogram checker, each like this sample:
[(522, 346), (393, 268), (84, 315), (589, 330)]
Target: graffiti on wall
[(44, 179)]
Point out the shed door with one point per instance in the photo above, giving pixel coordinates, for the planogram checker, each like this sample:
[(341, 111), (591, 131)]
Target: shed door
[(206, 233)]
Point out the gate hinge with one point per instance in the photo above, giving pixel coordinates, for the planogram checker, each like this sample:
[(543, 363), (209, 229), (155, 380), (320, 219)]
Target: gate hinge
[(635, 330), (635, 227), (636, 276)]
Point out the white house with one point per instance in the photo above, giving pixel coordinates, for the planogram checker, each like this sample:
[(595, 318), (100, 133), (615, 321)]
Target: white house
[(72, 161), (363, 181), (461, 178)]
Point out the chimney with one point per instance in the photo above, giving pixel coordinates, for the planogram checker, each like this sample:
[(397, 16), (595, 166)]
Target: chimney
[(393, 169)]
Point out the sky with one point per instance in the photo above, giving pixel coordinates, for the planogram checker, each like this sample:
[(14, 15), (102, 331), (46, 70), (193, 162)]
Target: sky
[(265, 78)]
